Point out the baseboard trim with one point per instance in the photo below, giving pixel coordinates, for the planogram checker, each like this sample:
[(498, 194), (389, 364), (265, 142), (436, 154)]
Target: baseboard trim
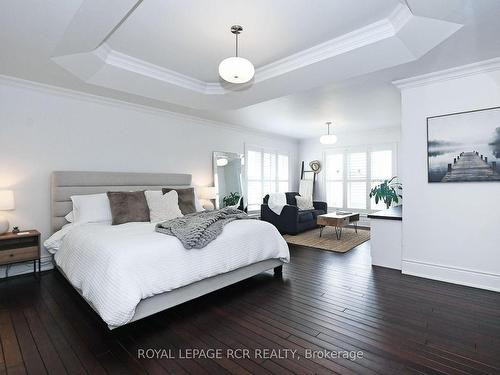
[(454, 275)]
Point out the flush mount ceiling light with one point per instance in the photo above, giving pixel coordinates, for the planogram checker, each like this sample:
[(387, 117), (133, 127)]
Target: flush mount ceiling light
[(328, 139), (236, 69)]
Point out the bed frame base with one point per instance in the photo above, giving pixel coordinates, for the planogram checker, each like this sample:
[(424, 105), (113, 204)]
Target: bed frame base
[(163, 301)]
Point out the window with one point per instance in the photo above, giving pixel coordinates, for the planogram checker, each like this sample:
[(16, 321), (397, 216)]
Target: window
[(381, 169), (356, 180), (351, 173), (334, 180), (267, 172)]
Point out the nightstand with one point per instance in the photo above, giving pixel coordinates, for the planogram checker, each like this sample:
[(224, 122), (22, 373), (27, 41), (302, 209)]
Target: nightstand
[(24, 247)]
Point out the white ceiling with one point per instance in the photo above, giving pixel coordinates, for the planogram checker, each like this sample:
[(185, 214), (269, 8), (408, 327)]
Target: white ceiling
[(193, 38), (189, 40), (360, 106)]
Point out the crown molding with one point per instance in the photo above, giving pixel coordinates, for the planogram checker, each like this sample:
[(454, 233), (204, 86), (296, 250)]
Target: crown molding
[(372, 33), (132, 64), (331, 48), (400, 16), (117, 103), (449, 74), (358, 38)]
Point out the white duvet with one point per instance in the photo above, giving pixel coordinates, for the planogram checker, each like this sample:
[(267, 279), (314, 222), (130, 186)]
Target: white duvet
[(114, 267)]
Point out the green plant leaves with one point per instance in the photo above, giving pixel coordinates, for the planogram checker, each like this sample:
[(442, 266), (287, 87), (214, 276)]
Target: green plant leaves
[(387, 191)]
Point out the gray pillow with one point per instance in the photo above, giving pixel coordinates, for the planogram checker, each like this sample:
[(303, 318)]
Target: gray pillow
[(128, 207), (187, 204)]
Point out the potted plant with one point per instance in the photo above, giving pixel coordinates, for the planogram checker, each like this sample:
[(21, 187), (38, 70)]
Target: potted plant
[(388, 191), (231, 200)]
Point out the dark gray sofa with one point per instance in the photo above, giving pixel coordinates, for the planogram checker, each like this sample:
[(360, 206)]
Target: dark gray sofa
[(291, 220)]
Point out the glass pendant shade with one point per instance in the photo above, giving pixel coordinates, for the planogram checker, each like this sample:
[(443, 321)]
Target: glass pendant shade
[(328, 139), (222, 162), (236, 70)]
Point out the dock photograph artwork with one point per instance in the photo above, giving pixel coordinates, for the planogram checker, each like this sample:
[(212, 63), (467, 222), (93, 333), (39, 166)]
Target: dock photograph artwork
[(464, 147)]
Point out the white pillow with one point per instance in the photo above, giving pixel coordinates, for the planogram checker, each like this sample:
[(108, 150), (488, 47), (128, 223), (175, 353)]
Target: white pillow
[(162, 206), (304, 203), (69, 217), (197, 203), (92, 208)]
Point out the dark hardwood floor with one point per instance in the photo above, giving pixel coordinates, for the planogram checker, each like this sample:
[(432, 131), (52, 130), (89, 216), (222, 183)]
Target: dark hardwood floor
[(326, 301)]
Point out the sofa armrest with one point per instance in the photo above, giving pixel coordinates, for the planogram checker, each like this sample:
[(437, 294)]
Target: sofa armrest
[(320, 206), (286, 221), (289, 218)]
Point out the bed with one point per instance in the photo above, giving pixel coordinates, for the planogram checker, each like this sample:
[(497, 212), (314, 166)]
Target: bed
[(237, 254)]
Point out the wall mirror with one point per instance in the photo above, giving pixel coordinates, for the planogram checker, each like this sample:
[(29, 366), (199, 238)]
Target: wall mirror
[(228, 178)]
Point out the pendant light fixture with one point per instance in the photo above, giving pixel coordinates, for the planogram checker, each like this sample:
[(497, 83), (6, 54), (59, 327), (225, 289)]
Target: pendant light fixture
[(236, 69), (222, 162), (328, 139)]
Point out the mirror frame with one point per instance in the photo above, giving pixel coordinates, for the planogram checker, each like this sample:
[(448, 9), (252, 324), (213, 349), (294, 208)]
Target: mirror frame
[(229, 155)]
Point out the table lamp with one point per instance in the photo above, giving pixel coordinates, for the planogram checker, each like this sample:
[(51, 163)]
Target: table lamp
[(6, 204), (206, 194)]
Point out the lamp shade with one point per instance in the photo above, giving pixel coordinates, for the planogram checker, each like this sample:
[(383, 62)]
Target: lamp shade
[(328, 139), (206, 192), (7, 200), (236, 70)]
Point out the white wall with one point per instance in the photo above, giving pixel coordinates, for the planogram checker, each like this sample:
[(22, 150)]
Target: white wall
[(451, 231), (44, 129), (311, 149)]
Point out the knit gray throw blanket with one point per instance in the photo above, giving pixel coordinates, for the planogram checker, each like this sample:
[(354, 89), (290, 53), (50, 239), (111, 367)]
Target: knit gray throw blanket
[(197, 230)]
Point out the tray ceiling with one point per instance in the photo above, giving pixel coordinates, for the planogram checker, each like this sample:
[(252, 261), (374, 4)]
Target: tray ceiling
[(158, 50), (193, 38)]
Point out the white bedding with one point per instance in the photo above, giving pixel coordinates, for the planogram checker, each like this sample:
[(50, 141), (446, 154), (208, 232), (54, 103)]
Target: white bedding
[(115, 267)]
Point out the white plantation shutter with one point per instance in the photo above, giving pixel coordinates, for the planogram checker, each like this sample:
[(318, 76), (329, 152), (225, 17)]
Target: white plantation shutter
[(269, 168), (381, 165), (267, 172), (283, 173), (334, 172), (351, 173), (356, 194), (381, 169), (356, 166), (356, 180), (254, 169), (335, 167)]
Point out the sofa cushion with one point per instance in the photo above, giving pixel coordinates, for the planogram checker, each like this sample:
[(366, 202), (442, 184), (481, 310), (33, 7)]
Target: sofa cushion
[(290, 198), (305, 216)]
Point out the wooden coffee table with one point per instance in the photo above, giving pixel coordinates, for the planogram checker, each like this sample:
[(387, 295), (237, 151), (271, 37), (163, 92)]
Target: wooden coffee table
[(337, 221)]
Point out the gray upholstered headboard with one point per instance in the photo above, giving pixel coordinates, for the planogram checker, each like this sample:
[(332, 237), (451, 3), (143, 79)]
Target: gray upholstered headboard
[(68, 183)]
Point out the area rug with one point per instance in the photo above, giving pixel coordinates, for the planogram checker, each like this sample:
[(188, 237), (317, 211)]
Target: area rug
[(328, 241)]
